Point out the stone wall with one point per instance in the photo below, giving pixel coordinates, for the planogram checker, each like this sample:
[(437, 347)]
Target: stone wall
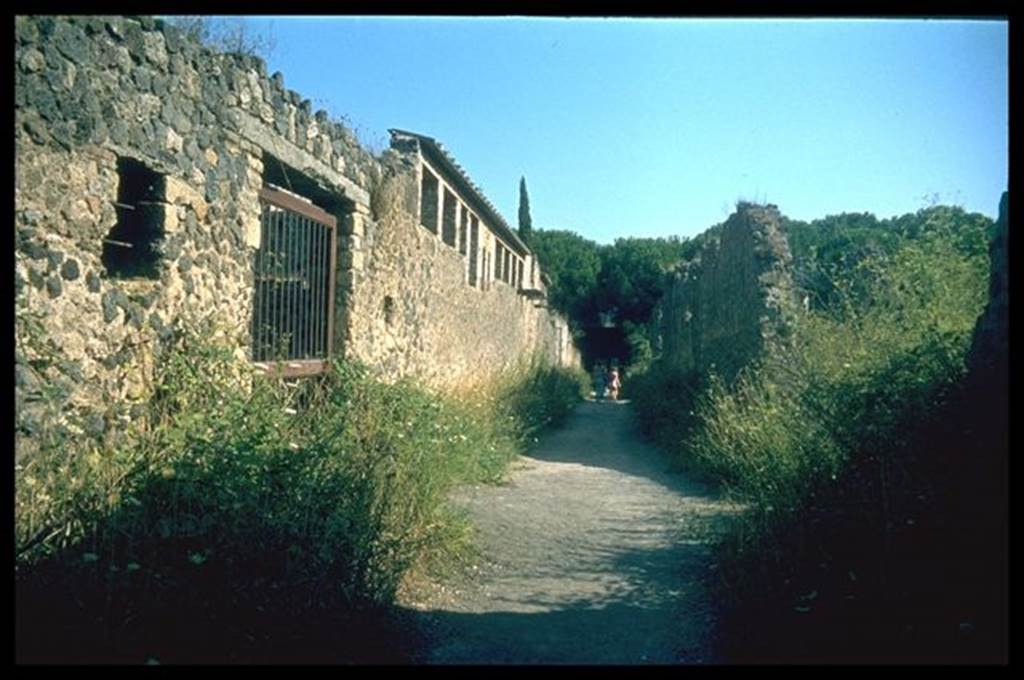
[(987, 384), (990, 346), (105, 104), (412, 312), (730, 303)]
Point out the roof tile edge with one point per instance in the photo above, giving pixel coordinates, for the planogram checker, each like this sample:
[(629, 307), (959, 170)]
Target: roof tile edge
[(452, 166)]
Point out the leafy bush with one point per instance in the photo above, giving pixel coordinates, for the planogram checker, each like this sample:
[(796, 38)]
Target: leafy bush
[(826, 445), (664, 401), (245, 510), (828, 251), (539, 399)]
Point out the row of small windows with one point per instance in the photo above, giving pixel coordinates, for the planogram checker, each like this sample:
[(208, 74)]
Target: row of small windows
[(460, 229), (508, 267)]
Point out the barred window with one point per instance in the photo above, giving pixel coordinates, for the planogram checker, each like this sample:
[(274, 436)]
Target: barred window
[(293, 311)]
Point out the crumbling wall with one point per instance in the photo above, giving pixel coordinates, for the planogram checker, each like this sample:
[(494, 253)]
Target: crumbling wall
[(101, 102), (730, 303), (987, 383), (990, 346), (97, 99), (413, 310)]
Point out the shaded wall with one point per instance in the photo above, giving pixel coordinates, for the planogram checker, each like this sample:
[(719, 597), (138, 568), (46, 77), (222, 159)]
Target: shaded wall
[(726, 306)]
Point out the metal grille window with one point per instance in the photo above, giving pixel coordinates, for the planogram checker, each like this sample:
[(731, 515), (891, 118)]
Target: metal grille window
[(293, 310)]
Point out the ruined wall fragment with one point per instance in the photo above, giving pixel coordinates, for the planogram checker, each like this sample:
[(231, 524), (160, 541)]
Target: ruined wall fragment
[(732, 301)]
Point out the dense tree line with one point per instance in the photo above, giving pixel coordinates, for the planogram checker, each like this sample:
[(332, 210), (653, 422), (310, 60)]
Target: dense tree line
[(624, 281), (621, 282)]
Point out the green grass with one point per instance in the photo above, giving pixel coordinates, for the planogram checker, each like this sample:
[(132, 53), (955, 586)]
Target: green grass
[(247, 518)]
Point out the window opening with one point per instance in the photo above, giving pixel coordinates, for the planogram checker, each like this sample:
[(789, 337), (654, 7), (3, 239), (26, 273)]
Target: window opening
[(293, 306), (463, 246), (448, 219), (428, 201), (474, 247), (131, 248)]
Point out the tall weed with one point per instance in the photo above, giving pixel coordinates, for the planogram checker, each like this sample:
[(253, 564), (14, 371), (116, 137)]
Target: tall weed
[(832, 446), (246, 516)]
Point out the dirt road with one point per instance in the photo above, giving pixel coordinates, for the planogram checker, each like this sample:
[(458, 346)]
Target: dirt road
[(593, 553)]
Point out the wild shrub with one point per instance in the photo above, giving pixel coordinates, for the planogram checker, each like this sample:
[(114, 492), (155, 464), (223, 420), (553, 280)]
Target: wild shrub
[(664, 402), (825, 442), (246, 516), (835, 446), (539, 398)]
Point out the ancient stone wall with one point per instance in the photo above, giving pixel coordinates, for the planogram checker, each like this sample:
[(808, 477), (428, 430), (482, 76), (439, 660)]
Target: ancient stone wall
[(140, 156), (990, 346), (726, 306), (987, 384), (412, 312)]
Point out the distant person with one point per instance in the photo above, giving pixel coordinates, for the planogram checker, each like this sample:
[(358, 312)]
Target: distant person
[(614, 384)]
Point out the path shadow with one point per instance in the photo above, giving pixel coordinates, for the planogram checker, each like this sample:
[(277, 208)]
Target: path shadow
[(602, 566), (659, 615), (575, 635), (604, 434)]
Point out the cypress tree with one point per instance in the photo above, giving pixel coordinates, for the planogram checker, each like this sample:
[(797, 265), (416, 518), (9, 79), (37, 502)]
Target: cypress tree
[(525, 223)]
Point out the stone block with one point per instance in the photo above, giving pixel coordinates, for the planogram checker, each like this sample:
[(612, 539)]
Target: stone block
[(32, 61), (351, 259), (170, 218), (353, 224), (251, 232), (155, 49), (172, 141), (178, 192)]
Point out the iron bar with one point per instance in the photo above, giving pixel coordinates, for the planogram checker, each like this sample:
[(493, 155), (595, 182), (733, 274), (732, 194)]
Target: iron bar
[(321, 283), (257, 293), (315, 291), (304, 287), (289, 290), (293, 296)]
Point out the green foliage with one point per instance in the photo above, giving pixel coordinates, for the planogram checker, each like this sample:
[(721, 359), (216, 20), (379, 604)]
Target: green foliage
[(245, 507), (632, 277), (540, 399), (572, 263), (853, 373), (831, 249), (665, 402), (638, 340), (832, 446), (625, 279)]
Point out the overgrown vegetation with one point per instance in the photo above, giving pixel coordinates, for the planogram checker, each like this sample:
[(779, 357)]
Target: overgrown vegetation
[(853, 451), (234, 35), (247, 518), (619, 284)]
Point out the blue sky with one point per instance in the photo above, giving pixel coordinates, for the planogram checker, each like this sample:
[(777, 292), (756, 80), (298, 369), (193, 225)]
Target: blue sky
[(628, 127)]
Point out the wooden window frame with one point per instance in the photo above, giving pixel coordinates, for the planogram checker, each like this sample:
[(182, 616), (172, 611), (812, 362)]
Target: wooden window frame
[(297, 368)]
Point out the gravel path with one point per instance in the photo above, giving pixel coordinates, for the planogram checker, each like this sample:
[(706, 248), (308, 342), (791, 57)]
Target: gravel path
[(593, 553)]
